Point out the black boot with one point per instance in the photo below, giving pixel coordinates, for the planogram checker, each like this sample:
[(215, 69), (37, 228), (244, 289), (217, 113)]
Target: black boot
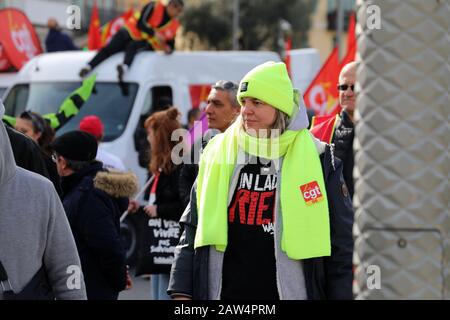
[(120, 72), (85, 71)]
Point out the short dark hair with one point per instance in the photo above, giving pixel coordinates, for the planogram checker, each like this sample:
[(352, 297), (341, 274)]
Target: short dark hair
[(231, 88), (42, 126)]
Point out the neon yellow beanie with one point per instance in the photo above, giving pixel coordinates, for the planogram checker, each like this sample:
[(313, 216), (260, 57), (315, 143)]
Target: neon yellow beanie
[(270, 83)]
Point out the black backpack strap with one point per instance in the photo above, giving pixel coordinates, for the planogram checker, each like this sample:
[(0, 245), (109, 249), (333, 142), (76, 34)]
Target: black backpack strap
[(4, 280), (38, 288)]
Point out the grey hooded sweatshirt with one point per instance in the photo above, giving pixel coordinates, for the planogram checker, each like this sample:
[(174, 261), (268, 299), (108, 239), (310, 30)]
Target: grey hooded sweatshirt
[(34, 230)]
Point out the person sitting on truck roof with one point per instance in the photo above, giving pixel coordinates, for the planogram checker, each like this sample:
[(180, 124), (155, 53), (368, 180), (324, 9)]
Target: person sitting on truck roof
[(154, 28)]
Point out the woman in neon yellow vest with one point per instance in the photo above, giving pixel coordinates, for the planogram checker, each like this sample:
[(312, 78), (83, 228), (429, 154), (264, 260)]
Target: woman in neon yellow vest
[(270, 217)]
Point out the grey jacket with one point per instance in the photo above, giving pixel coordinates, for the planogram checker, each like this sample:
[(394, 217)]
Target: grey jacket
[(34, 229)]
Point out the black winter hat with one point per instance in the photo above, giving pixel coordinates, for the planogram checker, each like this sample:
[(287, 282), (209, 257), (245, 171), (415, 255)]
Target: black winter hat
[(76, 145)]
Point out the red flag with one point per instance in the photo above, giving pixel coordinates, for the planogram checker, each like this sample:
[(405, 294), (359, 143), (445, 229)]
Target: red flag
[(322, 95), (18, 39), (322, 127), (110, 29), (199, 95), (94, 36), (287, 52), (351, 43)]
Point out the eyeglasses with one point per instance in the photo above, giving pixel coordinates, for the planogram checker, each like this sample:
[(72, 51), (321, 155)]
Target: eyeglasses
[(344, 87), (54, 157)]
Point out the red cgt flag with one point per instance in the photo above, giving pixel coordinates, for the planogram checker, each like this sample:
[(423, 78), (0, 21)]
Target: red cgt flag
[(322, 95), (94, 36), (18, 39)]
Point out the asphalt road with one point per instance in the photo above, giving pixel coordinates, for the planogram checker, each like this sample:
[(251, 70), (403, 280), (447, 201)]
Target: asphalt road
[(139, 291)]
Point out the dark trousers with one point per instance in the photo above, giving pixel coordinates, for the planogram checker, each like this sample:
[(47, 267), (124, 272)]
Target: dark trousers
[(121, 41)]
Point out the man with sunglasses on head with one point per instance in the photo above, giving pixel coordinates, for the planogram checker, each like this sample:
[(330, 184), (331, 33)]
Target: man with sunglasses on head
[(339, 130), (221, 110)]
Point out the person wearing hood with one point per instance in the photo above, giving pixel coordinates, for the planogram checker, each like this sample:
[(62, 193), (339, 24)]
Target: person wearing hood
[(94, 200), (38, 255), (269, 216)]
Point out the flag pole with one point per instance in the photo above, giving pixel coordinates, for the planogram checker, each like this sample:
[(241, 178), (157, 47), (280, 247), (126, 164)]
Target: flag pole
[(125, 214)]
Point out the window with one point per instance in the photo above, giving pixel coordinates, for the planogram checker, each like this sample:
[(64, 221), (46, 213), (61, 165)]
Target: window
[(107, 101)]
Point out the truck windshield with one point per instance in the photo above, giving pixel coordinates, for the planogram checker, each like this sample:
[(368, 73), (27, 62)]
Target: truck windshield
[(108, 102), (2, 91)]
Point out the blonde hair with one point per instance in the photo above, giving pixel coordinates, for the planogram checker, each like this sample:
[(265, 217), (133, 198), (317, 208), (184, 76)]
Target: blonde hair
[(281, 123)]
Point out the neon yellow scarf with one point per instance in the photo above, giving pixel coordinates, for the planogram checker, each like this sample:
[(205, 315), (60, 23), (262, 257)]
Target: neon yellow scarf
[(305, 216)]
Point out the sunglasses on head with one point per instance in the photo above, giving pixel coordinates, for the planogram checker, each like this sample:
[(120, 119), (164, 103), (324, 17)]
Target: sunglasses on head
[(225, 85), (39, 127), (344, 87)]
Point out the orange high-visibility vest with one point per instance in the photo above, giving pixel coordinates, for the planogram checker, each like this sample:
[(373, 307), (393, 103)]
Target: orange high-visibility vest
[(322, 127), (168, 31)]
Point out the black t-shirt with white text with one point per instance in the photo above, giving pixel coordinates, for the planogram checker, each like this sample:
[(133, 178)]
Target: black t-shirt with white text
[(249, 270)]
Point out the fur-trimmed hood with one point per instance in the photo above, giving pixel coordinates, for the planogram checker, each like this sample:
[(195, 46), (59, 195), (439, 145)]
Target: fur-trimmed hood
[(116, 183)]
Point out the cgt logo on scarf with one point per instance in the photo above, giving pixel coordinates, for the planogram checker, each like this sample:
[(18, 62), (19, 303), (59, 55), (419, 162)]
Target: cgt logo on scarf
[(311, 193)]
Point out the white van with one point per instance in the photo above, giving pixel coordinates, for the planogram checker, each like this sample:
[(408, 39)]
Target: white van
[(305, 64)]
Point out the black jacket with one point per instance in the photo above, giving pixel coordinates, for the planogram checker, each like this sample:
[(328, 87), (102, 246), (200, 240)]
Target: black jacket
[(168, 201), (27, 153), (325, 277), (58, 41), (94, 199), (343, 141)]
